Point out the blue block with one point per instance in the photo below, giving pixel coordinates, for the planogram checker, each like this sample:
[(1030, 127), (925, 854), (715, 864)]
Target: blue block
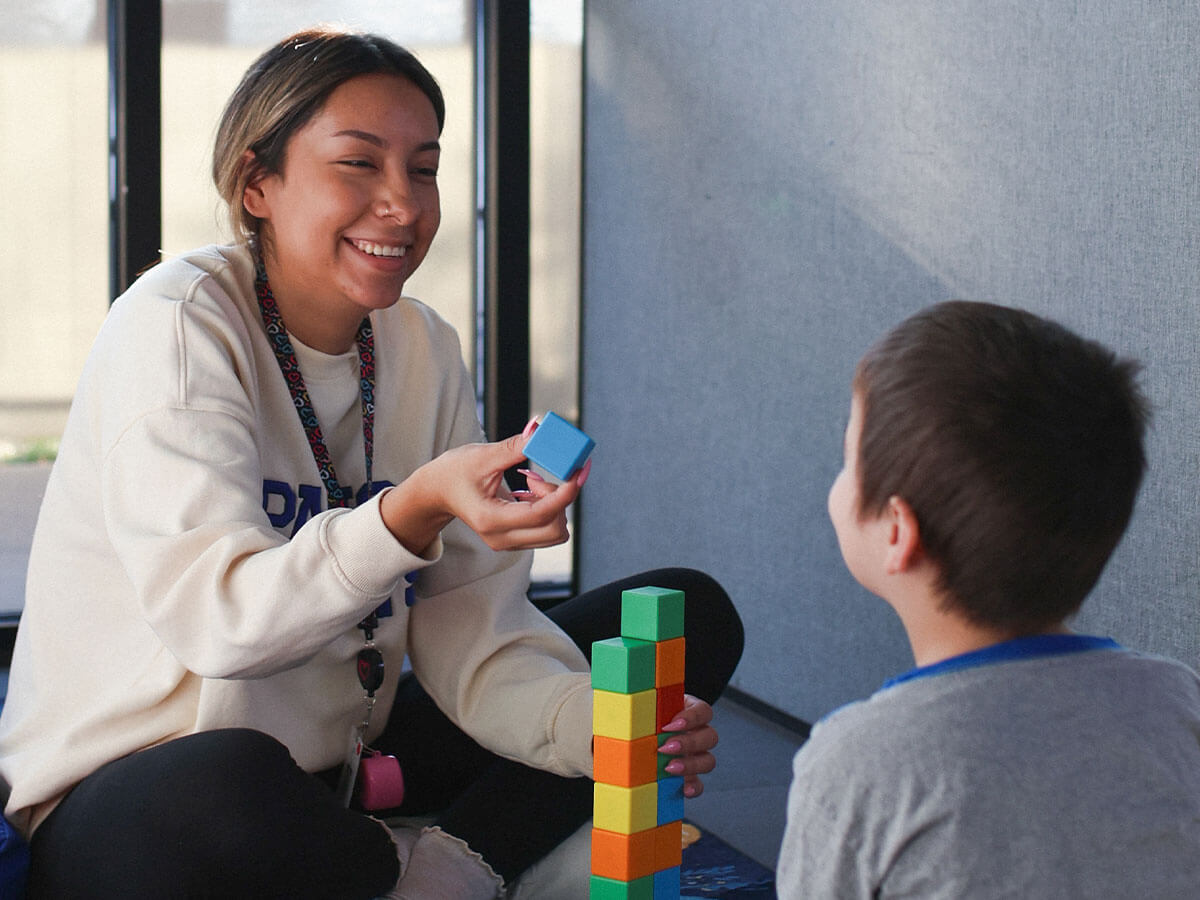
[(558, 449), (666, 884), (670, 799)]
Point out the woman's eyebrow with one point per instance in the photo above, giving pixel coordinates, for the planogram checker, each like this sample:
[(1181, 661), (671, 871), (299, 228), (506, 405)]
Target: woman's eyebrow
[(362, 136), (377, 141)]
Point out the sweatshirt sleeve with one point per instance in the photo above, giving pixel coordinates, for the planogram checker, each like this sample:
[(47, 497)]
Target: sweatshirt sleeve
[(494, 663), (835, 821), (499, 668)]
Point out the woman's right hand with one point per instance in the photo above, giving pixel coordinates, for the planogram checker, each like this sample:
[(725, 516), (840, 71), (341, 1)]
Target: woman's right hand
[(467, 483)]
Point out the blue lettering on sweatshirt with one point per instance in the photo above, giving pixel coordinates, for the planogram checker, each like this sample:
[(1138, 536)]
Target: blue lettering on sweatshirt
[(286, 505)]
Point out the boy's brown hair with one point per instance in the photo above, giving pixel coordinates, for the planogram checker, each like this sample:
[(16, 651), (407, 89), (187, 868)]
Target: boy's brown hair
[(1019, 447)]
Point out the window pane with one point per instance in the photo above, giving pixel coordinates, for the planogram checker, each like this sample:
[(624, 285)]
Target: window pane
[(53, 243), (207, 45), (554, 245)]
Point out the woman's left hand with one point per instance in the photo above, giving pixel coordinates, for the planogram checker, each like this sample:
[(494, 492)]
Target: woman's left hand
[(691, 743)]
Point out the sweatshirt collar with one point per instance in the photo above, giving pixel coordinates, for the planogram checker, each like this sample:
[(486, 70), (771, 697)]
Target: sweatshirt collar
[(1033, 647)]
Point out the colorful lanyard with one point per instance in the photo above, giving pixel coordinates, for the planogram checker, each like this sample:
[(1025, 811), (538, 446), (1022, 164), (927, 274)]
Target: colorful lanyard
[(370, 661), (339, 495)]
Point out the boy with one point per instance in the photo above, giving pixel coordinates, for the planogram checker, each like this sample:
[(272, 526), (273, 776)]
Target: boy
[(992, 459)]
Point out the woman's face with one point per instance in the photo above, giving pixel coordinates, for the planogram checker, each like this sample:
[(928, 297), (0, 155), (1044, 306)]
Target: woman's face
[(352, 213)]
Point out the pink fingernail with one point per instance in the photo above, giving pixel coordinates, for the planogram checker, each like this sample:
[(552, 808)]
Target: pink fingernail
[(670, 747), (530, 427), (675, 766), (531, 475), (676, 725), (585, 472)]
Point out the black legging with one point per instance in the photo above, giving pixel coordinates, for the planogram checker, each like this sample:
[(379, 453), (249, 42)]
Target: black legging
[(228, 814)]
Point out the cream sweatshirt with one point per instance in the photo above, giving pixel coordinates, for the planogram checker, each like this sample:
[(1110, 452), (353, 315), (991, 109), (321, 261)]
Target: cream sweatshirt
[(185, 575)]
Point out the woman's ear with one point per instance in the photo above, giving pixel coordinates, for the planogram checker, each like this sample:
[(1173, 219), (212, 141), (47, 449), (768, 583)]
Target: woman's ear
[(253, 197), (904, 537)]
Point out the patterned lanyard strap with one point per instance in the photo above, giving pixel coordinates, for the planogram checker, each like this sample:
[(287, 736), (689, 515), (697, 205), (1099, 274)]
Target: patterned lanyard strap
[(285, 354), (370, 661)]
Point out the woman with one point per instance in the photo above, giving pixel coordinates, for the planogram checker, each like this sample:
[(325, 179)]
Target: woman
[(268, 445)]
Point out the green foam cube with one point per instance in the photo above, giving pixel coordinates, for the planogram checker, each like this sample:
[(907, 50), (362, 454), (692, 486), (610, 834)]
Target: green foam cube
[(652, 614), (602, 888), (623, 665)]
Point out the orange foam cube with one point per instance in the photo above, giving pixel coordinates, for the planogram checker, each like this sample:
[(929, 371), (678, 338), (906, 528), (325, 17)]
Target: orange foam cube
[(626, 763), (668, 846), (624, 857), (669, 662)]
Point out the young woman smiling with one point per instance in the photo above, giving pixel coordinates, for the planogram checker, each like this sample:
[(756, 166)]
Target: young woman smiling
[(271, 490)]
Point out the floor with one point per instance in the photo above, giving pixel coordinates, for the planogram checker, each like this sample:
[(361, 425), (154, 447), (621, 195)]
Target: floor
[(744, 799)]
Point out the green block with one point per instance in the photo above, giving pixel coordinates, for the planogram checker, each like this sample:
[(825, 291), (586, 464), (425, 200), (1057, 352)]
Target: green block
[(664, 758), (610, 889), (623, 665), (652, 614)]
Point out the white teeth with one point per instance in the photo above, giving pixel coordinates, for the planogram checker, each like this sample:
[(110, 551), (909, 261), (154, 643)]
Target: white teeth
[(379, 249)]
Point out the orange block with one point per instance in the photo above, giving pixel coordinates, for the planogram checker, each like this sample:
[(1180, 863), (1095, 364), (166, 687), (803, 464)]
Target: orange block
[(669, 700), (668, 846), (627, 763), (669, 662), (624, 857)]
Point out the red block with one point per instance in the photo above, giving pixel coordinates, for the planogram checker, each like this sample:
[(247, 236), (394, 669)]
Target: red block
[(670, 704)]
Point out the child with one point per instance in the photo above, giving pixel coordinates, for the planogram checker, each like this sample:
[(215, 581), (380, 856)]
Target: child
[(992, 459)]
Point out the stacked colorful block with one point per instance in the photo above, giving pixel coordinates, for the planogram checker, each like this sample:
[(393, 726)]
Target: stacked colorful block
[(637, 689)]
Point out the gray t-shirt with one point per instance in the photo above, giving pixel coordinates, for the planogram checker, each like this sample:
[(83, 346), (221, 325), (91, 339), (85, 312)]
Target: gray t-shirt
[(1003, 774)]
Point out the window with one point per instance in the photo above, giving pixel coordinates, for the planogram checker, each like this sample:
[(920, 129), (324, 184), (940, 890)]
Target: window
[(555, 119), (53, 246), (54, 74)]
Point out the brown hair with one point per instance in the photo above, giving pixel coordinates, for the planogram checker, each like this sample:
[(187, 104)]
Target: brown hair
[(1018, 445), (283, 89)]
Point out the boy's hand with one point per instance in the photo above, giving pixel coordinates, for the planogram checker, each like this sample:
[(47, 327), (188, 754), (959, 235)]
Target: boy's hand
[(691, 744)]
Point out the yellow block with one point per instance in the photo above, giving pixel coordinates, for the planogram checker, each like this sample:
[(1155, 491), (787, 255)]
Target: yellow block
[(624, 716), (625, 810)]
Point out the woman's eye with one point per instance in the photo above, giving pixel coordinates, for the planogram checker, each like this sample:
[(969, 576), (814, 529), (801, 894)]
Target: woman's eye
[(357, 163), (426, 172)]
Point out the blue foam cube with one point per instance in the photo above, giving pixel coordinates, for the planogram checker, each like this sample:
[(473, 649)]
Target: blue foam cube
[(667, 884), (557, 449), (670, 799)]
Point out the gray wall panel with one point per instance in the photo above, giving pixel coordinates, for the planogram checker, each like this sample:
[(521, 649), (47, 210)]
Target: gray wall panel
[(769, 186)]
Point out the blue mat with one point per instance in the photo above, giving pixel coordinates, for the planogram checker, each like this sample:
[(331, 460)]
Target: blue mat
[(711, 868)]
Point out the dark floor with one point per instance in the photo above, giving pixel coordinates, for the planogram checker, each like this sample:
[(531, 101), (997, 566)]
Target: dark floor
[(745, 798)]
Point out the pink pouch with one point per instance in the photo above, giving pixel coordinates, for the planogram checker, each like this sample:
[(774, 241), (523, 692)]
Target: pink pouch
[(380, 782)]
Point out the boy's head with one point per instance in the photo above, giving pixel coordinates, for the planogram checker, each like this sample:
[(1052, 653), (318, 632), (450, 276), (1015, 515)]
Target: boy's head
[(1018, 447)]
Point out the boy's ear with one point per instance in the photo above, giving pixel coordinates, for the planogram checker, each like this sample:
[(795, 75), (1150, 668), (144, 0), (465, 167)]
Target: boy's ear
[(904, 536)]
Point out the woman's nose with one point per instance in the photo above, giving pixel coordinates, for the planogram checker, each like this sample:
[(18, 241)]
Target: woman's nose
[(398, 202)]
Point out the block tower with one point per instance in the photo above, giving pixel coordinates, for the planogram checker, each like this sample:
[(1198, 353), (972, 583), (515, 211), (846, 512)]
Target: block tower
[(637, 686)]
